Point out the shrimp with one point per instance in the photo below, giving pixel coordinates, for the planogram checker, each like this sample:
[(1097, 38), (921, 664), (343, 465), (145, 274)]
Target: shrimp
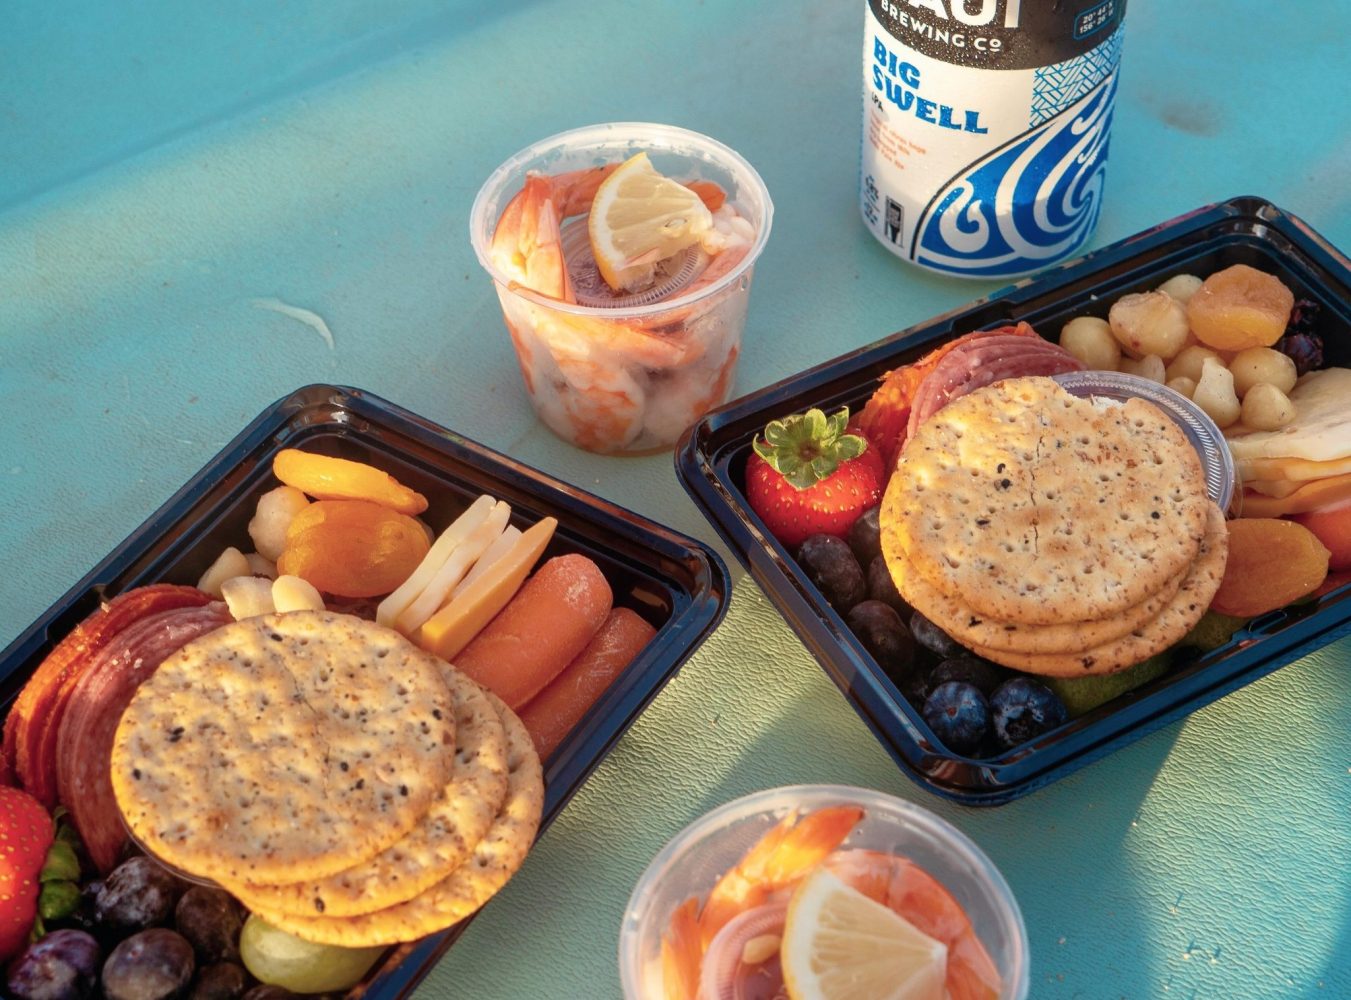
[(778, 860), (604, 404), (681, 952), (527, 244), (905, 888)]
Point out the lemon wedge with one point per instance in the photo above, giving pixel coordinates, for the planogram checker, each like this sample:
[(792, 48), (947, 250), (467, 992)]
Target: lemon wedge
[(840, 945), (640, 218)]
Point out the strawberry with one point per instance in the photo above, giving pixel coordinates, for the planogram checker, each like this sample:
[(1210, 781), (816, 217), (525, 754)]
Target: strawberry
[(25, 834), (811, 475)]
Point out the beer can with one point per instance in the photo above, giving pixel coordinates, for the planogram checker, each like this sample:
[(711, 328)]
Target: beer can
[(985, 128)]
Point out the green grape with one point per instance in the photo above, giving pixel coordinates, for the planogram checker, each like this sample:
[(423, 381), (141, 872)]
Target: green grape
[(279, 958)]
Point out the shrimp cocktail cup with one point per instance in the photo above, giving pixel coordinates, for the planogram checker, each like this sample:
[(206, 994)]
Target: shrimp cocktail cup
[(622, 255)]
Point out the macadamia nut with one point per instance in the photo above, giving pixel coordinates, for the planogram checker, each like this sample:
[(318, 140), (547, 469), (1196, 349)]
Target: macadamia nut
[(1215, 393), (1149, 323)]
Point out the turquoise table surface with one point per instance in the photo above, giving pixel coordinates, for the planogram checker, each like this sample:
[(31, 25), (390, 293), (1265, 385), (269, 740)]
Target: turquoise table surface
[(163, 165)]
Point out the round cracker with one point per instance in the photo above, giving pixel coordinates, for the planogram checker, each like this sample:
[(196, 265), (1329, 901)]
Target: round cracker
[(1174, 622), (456, 822), (960, 621), (494, 860), (283, 747), (1032, 505)]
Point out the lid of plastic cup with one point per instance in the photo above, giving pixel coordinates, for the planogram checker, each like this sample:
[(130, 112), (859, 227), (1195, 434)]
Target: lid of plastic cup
[(590, 288), (1201, 431)]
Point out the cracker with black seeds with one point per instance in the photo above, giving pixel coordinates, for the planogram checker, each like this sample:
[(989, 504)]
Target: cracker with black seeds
[(1164, 631), (491, 864), (1031, 505), (960, 621), (440, 842), (284, 747)]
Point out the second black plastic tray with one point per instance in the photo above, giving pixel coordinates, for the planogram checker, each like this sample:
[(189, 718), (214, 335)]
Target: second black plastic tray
[(712, 458)]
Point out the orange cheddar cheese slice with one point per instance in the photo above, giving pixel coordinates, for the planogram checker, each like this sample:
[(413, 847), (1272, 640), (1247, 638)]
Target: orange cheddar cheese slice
[(450, 629)]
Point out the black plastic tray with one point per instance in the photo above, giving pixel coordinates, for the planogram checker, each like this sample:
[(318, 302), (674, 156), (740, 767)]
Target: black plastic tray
[(676, 583), (711, 460)]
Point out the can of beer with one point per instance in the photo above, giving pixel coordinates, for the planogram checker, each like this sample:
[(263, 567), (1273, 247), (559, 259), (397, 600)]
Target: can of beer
[(985, 127)]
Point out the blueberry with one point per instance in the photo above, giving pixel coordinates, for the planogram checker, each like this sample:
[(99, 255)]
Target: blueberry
[(833, 570), (1024, 709), (934, 639), (884, 635), (881, 587), (959, 715), (968, 669), (865, 536)]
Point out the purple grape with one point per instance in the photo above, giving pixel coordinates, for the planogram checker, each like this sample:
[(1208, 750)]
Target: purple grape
[(155, 964), (210, 919), (222, 981), (137, 894), (63, 965), (830, 565)]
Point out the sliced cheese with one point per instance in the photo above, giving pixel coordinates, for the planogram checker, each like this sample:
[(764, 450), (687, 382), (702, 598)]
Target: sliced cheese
[(496, 551), (1292, 470), (394, 605), (452, 572), (450, 629), (1309, 497), (1321, 430)]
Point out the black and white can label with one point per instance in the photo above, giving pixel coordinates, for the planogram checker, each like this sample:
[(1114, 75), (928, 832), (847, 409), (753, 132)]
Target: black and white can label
[(985, 128)]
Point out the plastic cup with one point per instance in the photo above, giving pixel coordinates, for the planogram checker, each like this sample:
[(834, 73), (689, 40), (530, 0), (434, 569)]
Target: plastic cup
[(629, 375), (692, 863)]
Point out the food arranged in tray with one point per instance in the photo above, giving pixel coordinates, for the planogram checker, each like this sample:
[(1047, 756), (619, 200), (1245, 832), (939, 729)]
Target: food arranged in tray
[(269, 728), (1027, 542)]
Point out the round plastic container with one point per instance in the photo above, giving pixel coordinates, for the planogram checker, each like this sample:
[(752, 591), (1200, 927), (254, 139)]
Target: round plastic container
[(631, 374), (692, 863), (1201, 431)]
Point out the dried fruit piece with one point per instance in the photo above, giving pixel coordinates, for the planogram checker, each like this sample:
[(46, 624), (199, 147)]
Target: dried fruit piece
[(1240, 307), (1271, 563), (1332, 526), (352, 548), (326, 478)]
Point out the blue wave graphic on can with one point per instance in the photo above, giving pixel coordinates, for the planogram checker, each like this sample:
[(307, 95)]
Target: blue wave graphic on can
[(1028, 203)]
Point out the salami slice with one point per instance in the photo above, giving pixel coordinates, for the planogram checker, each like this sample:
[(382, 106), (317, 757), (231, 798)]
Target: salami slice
[(84, 742), (29, 747), (885, 418), (983, 362)]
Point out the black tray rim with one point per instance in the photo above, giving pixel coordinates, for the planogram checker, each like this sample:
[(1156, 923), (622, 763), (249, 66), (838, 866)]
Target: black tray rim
[(874, 698)]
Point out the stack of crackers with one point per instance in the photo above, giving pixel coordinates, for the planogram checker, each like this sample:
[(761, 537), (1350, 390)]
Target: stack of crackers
[(342, 783), (1057, 535)]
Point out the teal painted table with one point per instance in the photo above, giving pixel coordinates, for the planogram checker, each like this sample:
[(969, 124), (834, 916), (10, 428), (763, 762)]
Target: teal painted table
[(162, 167)]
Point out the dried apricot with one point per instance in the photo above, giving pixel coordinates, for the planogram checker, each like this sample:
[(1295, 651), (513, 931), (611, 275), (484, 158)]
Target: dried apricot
[(1271, 563), (326, 478), (1240, 307), (352, 548)]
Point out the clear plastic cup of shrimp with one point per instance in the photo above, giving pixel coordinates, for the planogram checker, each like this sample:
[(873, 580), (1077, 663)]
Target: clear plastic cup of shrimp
[(622, 372), (740, 960)]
